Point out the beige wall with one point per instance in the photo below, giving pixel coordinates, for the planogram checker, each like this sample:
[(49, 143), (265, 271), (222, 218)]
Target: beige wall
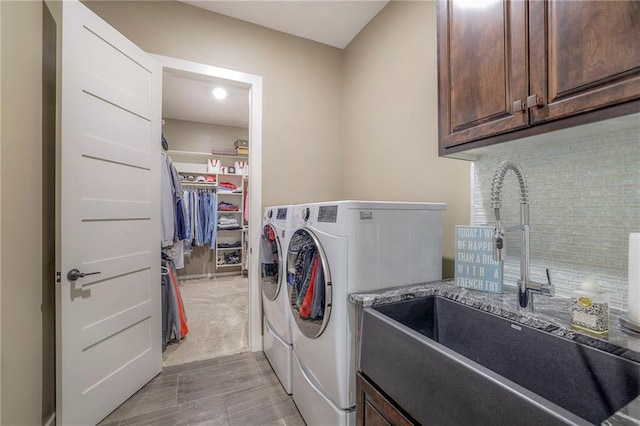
[(390, 139), (328, 132), (200, 137), (49, 87), (21, 215), (302, 87), (303, 136), (0, 213)]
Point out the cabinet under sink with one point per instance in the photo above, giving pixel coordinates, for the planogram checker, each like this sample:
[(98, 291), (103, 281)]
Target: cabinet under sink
[(445, 363)]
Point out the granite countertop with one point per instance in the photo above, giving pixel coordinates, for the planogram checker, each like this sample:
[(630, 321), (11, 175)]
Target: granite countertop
[(551, 314)]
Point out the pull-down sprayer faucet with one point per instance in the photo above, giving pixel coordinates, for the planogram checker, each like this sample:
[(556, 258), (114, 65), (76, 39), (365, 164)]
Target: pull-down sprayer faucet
[(526, 287)]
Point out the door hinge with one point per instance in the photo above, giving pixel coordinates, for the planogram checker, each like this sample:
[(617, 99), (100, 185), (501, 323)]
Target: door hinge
[(58, 277)]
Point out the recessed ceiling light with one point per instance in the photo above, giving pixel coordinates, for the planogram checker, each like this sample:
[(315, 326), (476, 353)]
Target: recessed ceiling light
[(219, 93)]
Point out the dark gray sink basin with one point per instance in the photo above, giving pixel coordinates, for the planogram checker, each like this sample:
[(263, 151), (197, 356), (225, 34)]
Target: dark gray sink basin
[(445, 363)]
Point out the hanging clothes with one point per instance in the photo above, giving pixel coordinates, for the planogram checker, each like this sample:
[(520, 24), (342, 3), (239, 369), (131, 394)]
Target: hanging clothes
[(167, 210), (169, 317), (268, 255), (177, 254), (188, 221), (212, 217), (184, 328), (317, 307), (205, 202), (304, 261), (178, 202), (197, 220), (307, 280), (165, 144), (174, 317), (201, 217), (245, 206), (305, 308), (172, 213)]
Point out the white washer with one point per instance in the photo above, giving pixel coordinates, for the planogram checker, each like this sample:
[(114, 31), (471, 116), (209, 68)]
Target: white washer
[(359, 246), (276, 324)]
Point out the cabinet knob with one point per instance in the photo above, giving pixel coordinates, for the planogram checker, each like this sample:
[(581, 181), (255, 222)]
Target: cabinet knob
[(518, 106), (533, 101)]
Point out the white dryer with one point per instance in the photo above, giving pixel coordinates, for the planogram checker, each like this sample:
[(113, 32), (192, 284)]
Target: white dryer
[(342, 247), (276, 323)]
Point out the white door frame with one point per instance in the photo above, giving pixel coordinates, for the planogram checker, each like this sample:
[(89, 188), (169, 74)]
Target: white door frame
[(254, 84)]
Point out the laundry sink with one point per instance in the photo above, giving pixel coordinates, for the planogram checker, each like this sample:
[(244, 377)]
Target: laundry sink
[(445, 363)]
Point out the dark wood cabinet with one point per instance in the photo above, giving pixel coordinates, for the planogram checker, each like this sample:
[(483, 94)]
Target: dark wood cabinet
[(482, 61), (584, 55), (374, 409), (509, 69)]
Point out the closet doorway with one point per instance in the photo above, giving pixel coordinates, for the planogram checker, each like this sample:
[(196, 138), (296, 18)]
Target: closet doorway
[(206, 143)]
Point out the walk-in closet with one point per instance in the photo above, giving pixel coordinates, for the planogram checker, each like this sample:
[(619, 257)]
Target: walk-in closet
[(205, 219)]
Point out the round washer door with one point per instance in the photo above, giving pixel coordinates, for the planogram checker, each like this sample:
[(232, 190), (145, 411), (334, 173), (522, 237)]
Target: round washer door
[(309, 283), (270, 262)]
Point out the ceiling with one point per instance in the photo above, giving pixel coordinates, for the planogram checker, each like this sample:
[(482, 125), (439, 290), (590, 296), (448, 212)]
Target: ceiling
[(331, 22), (188, 96)]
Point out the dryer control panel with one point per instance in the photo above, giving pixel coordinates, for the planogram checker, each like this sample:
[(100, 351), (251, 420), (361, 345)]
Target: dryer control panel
[(328, 214), (282, 214)]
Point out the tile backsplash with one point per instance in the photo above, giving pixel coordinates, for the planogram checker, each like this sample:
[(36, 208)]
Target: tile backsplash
[(584, 195)]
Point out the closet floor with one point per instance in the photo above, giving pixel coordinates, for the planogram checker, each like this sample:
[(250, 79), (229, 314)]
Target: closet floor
[(217, 316), (240, 389)]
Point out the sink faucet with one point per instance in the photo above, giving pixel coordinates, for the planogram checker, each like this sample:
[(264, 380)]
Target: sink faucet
[(526, 287)]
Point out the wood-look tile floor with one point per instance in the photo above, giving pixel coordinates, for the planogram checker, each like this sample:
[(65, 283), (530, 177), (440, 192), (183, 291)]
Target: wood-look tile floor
[(237, 390)]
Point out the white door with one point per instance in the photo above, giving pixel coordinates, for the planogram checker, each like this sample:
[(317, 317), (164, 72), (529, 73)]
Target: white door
[(108, 324)]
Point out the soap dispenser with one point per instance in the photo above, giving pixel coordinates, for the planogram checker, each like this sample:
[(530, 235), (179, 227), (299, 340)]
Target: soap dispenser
[(590, 308)]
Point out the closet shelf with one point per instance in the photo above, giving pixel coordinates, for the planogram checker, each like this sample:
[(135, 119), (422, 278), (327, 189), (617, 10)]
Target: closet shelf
[(190, 155), (222, 175), (189, 163), (195, 173)]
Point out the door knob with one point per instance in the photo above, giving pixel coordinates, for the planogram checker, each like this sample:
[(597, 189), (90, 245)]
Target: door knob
[(74, 274)]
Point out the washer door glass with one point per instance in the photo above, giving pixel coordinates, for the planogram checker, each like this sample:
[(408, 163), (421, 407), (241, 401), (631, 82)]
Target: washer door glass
[(270, 262), (309, 283)]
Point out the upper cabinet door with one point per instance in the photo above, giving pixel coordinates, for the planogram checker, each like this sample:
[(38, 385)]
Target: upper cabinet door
[(482, 76), (584, 55)]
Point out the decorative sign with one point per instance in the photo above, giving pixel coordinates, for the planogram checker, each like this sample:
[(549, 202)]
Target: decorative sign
[(475, 267)]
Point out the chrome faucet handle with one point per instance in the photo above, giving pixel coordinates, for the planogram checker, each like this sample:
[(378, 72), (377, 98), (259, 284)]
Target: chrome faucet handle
[(538, 288), (549, 289), (498, 244)]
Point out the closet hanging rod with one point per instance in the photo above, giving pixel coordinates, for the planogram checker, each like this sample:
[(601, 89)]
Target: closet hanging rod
[(200, 184)]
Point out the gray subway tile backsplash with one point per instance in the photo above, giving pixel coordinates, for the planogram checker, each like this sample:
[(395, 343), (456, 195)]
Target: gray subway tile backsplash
[(584, 195)]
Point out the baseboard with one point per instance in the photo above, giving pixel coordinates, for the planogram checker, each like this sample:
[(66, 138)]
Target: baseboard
[(52, 420)]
